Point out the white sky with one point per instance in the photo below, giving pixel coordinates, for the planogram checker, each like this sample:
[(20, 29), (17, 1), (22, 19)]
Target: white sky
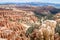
[(45, 1)]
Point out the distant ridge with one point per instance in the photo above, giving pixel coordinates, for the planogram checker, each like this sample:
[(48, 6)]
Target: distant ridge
[(34, 4)]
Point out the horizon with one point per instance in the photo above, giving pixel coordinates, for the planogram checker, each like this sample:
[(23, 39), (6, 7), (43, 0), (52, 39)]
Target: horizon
[(27, 1)]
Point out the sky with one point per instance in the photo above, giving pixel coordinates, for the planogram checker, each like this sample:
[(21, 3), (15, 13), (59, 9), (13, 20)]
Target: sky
[(21, 1)]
